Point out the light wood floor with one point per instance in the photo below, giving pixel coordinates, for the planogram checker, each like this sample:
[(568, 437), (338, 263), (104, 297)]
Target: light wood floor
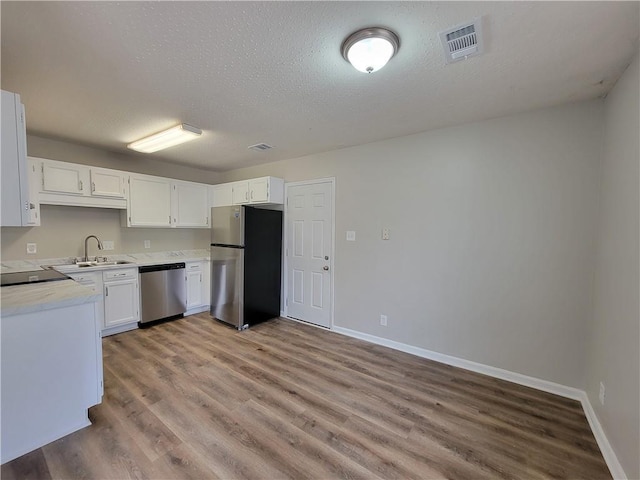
[(196, 399)]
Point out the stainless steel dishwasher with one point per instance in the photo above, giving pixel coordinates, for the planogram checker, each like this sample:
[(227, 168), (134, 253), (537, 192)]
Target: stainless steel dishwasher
[(163, 292)]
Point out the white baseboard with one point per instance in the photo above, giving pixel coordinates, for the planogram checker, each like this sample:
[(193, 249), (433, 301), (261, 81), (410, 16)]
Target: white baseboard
[(551, 387), (605, 447)]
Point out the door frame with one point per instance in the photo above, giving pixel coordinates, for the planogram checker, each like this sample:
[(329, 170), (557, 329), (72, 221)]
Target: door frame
[(285, 269)]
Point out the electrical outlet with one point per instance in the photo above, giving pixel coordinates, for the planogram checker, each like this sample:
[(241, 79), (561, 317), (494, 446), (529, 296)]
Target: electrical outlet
[(147, 244), (107, 245), (383, 320), (601, 394), (32, 248), (351, 236), (385, 234)]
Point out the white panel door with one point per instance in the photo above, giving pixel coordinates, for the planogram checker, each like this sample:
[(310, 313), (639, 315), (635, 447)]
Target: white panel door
[(309, 252)]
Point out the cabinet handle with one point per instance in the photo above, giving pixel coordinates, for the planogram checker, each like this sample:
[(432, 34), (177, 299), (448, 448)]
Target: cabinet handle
[(106, 291), (93, 186), (251, 194), (80, 184), (246, 195)]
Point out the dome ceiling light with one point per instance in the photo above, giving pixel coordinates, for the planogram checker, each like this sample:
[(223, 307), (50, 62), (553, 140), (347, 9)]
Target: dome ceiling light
[(369, 49)]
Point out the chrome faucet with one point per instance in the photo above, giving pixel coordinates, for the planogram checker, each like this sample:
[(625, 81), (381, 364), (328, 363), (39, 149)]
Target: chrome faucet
[(86, 258)]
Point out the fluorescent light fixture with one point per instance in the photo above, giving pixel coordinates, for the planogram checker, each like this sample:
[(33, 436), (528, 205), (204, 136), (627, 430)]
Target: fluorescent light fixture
[(165, 139), (370, 49)]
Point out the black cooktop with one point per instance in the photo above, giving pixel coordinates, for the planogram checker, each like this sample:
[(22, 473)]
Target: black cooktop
[(36, 276)]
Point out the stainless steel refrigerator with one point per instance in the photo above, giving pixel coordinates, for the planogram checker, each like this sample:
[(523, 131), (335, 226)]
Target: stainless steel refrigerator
[(246, 264)]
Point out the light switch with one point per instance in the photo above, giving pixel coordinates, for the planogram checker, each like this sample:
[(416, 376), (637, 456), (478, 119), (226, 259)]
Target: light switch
[(107, 245), (32, 248), (385, 234), (147, 244), (351, 236)]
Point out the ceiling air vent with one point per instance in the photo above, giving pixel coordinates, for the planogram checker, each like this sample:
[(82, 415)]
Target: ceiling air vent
[(260, 147), (462, 41)]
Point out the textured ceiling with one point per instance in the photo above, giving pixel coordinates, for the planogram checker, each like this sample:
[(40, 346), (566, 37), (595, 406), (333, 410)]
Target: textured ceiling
[(105, 73)]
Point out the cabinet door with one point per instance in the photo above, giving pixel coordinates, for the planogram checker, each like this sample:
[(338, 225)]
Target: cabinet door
[(206, 283), (107, 183), (62, 177), (194, 288), (222, 195), (240, 193), (259, 190), (120, 302), (190, 204), (149, 201), (14, 191), (93, 280), (33, 174)]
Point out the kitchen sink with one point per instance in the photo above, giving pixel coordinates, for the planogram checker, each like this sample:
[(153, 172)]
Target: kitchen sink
[(74, 266), (100, 264)]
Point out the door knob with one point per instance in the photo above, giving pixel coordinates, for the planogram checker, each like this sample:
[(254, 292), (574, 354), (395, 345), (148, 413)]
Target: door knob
[(325, 268), (326, 257)]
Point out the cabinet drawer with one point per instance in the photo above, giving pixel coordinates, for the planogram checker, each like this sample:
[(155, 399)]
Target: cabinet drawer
[(120, 274), (193, 267)]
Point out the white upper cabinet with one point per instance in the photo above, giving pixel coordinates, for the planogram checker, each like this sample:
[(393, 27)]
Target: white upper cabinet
[(17, 201), (222, 195), (107, 183), (33, 176), (149, 201), (240, 193), (259, 190), (64, 183), (189, 204), (63, 177), (163, 202), (263, 190)]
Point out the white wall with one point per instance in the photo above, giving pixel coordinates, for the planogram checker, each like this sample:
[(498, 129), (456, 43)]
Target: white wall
[(614, 348), (492, 237)]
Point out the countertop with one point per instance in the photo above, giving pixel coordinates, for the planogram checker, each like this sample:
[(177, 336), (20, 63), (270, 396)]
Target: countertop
[(18, 299), (136, 259)]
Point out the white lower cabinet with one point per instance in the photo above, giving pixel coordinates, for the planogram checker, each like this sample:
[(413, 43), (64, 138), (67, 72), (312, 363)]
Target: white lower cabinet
[(197, 286), (121, 300), (51, 374), (93, 280)]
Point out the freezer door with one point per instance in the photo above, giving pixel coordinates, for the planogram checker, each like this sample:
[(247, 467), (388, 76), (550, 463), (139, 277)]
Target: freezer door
[(227, 225), (227, 285)]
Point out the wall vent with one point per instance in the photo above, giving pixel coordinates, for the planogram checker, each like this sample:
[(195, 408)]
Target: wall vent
[(260, 147), (462, 41)]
